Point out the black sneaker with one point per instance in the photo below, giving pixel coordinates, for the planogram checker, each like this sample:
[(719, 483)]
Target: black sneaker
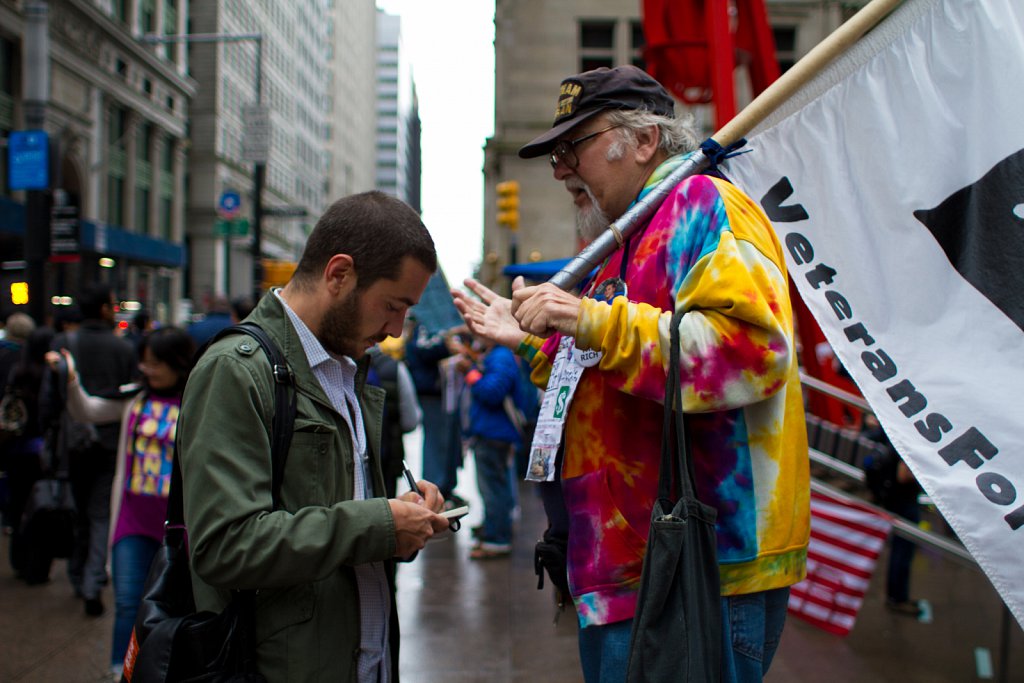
[(93, 607)]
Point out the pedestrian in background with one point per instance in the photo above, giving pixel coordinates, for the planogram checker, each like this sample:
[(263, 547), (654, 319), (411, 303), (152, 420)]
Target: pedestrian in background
[(402, 413), (425, 356), (111, 364), (19, 327), (21, 456), (218, 317), (142, 479), (490, 374), (894, 487)]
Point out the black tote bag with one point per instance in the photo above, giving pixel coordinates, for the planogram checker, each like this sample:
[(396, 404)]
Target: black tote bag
[(677, 629)]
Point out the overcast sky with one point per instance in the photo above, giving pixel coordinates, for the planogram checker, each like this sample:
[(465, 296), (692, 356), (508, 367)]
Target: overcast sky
[(450, 44)]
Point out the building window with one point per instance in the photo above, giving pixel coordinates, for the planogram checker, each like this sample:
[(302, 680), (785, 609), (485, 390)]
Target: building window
[(170, 19), (143, 176), (597, 44), (119, 8), (147, 16), (117, 128), (166, 207), (785, 46), (142, 210), (144, 145), (636, 44), (115, 200), (165, 227)]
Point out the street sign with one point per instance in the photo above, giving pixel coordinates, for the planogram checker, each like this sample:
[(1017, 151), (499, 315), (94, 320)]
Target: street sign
[(64, 235), (256, 138), (238, 227), (229, 205), (28, 158)]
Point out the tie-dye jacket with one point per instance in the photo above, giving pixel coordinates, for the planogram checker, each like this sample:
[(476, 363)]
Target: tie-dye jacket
[(711, 251)]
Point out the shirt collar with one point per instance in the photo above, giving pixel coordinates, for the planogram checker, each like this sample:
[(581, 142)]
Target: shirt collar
[(316, 354)]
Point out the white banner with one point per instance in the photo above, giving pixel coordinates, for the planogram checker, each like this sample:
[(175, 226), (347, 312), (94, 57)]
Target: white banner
[(896, 184)]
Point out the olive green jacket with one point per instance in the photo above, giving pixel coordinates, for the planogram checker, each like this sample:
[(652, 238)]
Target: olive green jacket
[(298, 558)]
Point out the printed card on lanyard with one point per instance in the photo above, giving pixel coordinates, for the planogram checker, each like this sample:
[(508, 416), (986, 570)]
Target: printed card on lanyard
[(566, 371)]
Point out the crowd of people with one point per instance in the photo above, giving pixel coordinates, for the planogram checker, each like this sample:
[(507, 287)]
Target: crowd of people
[(322, 550)]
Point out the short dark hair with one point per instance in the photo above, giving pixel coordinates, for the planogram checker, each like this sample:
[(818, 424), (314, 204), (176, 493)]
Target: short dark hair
[(93, 298), (171, 345), (376, 230)]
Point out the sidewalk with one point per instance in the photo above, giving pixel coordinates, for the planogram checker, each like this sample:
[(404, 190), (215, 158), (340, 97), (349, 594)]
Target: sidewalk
[(461, 620), (466, 621)]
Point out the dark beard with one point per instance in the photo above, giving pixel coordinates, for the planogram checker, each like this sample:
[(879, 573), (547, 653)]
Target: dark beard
[(339, 327)]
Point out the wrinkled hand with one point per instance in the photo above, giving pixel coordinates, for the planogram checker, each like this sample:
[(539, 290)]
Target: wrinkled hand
[(490, 316), (545, 309), (414, 525)]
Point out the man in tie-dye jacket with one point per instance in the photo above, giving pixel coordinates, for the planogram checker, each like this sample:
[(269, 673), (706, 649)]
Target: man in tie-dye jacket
[(708, 250)]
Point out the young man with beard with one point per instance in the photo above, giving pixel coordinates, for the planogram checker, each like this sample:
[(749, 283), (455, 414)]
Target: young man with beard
[(325, 609), (710, 251)]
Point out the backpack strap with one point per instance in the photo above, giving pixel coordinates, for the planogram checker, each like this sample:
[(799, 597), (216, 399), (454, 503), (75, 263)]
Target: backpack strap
[(281, 427)]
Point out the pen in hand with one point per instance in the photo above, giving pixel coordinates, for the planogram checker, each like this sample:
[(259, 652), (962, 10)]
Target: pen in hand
[(409, 478)]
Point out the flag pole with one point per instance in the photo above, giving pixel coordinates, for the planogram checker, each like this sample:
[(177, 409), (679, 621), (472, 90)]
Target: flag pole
[(759, 109)]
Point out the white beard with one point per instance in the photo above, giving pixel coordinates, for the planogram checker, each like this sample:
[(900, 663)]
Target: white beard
[(592, 220)]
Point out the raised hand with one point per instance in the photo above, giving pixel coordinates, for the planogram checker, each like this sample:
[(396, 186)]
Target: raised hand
[(490, 316)]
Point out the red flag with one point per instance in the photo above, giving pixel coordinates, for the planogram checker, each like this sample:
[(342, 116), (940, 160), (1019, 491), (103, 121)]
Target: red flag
[(846, 539)]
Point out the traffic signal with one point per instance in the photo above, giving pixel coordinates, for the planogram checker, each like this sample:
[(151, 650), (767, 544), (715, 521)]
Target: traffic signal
[(508, 204), (19, 293)]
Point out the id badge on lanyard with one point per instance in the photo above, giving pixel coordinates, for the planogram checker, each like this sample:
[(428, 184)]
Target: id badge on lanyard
[(566, 371)]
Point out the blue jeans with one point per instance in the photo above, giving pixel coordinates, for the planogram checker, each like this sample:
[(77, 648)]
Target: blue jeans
[(494, 482), (751, 629), (604, 652), (131, 557)]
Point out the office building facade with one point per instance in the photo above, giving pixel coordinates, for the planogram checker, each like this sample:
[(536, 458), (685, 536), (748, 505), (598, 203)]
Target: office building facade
[(116, 112)]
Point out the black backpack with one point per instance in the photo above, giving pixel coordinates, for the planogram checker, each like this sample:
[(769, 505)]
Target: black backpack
[(170, 640)]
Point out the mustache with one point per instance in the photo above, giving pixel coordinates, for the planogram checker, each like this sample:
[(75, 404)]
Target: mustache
[(573, 183)]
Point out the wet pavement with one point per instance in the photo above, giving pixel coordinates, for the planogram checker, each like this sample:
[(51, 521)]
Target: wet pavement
[(465, 620)]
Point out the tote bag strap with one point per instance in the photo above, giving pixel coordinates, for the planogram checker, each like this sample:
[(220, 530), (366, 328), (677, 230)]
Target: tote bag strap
[(676, 463), (281, 428)]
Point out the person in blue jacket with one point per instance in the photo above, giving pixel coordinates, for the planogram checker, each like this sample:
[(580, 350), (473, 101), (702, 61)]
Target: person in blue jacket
[(490, 379)]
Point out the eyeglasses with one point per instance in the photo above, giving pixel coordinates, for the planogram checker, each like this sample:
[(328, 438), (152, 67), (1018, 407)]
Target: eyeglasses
[(565, 151)]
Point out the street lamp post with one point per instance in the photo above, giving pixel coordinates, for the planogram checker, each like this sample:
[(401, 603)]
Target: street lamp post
[(36, 74), (260, 166)]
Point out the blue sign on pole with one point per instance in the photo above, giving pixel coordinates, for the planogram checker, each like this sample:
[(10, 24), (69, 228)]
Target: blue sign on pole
[(229, 205), (28, 158)]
